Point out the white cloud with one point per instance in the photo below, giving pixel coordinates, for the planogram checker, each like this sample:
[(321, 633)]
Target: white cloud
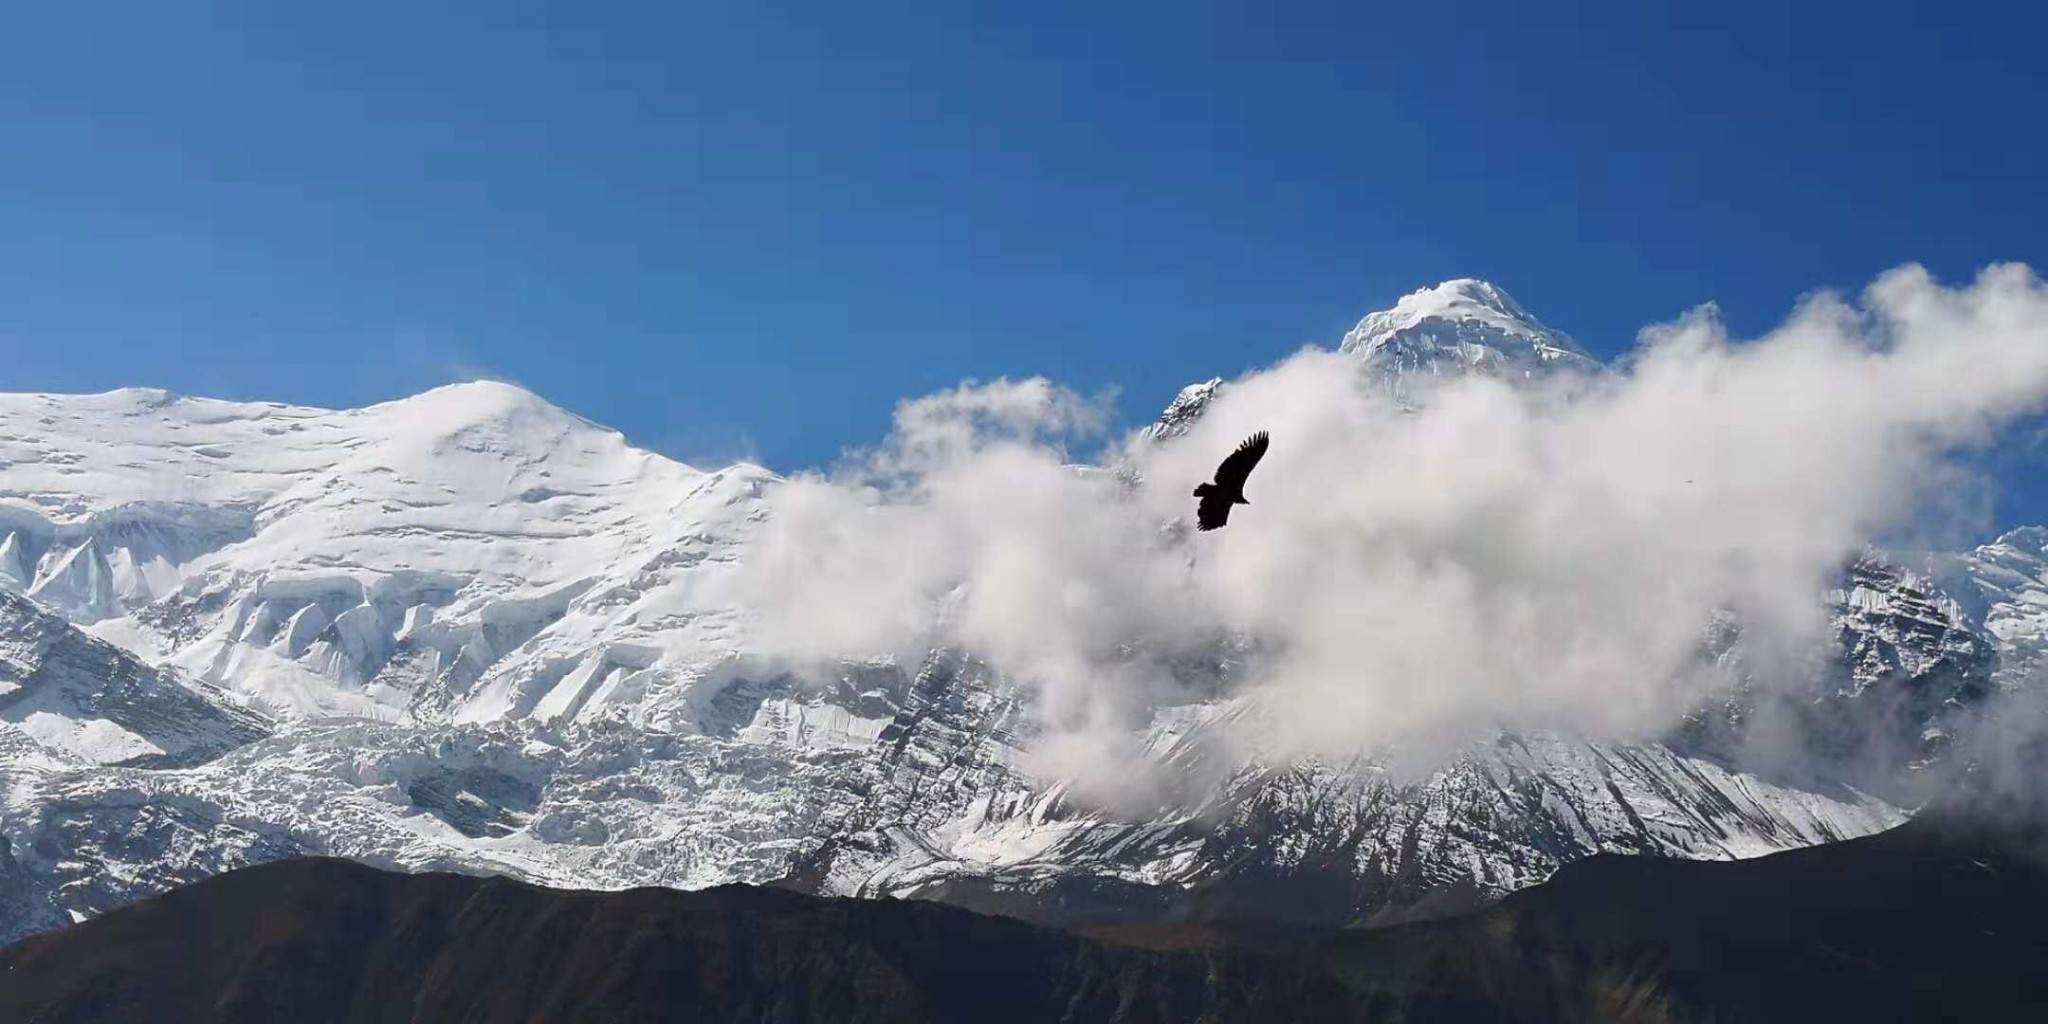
[(1503, 557)]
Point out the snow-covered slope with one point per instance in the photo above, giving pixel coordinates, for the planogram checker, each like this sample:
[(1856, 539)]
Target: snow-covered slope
[(1180, 414), (1463, 326), (942, 816), (337, 562), (2005, 585), (498, 637), (915, 801), (84, 700)]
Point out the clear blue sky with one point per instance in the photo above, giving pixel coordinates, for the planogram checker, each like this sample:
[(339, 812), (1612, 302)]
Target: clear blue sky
[(748, 228)]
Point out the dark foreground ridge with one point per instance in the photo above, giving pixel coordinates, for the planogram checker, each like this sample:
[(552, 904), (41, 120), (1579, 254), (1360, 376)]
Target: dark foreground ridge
[(1934, 920), (319, 939), (1931, 921)]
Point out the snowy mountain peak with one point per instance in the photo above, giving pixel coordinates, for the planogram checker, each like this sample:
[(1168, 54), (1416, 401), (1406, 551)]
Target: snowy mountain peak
[(453, 407), (1463, 325), (336, 561), (501, 638), (2031, 539), (1448, 298), (1187, 407), (138, 398)]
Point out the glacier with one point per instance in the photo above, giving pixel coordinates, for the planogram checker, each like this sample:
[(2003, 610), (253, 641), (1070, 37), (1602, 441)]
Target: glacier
[(469, 630)]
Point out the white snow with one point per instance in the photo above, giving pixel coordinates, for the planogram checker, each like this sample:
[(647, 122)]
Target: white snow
[(92, 739), (1463, 326), (2007, 580), (14, 573), (324, 537), (503, 638), (812, 726)]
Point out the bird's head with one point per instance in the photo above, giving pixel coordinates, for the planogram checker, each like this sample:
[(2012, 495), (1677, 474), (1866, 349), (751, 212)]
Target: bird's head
[(1241, 500)]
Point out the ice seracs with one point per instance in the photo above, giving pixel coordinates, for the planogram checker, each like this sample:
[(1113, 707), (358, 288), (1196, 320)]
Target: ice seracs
[(499, 637), (87, 701), (14, 574), (325, 561)]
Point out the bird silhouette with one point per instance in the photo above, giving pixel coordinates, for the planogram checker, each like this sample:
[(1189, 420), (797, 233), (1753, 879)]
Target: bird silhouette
[(1228, 487)]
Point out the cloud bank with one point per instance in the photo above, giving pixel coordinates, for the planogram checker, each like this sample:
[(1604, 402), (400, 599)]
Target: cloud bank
[(1535, 557)]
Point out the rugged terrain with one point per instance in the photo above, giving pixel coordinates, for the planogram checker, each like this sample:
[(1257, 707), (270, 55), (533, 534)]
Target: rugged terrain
[(470, 631), (1609, 938)]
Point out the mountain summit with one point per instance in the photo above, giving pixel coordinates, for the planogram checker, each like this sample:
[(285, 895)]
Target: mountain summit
[(1461, 326), (496, 637), (1464, 325)]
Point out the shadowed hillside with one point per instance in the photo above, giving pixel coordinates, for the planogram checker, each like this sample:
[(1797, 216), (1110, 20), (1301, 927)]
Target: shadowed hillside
[(1930, 921), (314, 940), (1935, 920)]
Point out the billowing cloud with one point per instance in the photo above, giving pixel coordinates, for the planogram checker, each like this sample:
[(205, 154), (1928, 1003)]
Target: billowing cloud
[(1538, 557)]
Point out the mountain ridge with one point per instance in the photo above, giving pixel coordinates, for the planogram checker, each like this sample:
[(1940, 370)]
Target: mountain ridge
[(517, 648), (1608, 938)]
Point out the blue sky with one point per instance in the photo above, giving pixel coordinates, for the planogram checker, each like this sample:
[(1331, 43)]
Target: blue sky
[(749, 228)]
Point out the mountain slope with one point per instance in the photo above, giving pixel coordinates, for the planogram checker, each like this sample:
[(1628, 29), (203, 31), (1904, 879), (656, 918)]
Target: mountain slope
[(1935, 920), (326, 561), (330, 940), (1794, 936), (943, 817), (500, 638), (2005, 586), (1459, 327), (1463, 326), (84, 699)]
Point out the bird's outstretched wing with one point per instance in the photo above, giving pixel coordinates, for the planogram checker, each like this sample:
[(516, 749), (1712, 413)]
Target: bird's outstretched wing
[(1212, 511), (1237, 466)]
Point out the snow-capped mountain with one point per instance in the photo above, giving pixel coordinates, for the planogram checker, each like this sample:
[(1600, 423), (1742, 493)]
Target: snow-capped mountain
[(353, 562), (1311, 841), (1463, 326), (1186, 407), (1459, 327), (492, 635)]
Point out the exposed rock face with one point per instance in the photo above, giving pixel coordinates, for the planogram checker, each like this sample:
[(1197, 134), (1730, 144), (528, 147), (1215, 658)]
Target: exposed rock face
[(499, 638), (1186, 407), (85, 700)]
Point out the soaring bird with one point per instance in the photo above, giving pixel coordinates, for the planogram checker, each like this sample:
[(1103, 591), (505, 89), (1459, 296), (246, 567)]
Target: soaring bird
[(1228, 487)]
